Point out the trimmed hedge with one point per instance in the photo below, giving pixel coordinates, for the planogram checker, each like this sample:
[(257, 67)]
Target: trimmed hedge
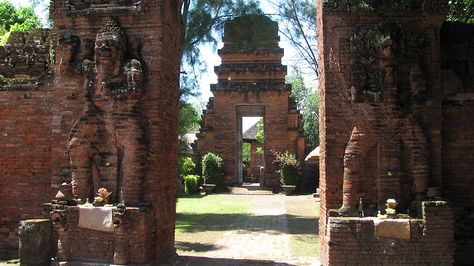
[(191, 184)]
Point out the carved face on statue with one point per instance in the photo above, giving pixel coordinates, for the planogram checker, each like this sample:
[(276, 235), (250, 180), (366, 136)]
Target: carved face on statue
[(109, 49), (387, 52)]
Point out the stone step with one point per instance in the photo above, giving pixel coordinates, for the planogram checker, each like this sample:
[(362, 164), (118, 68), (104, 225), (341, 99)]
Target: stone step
[(251, 189)]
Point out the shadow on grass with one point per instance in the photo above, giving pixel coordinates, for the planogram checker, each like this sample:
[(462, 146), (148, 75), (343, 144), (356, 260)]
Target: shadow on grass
[(196, 247), (191, 196), (298, 225), (195, 260), (194, 222)]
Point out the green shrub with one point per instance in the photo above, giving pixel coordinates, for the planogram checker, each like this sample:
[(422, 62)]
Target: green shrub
[(288, 167), (191, 184), (211, 168), (186, 166)]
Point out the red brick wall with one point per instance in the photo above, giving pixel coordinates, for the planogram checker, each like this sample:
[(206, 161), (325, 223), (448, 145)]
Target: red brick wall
[(25, 160), (458, 181), (458, 132), (336, 24), (37, 123), (354, 241), (223, 119), (26, 123)]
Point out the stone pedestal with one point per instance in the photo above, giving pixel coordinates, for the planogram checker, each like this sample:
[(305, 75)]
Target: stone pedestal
[(35, 235), (374, 241), (130, 242)]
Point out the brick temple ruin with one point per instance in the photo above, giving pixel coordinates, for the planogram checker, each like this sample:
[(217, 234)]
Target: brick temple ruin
[(251, 82), (397, 94), (83, 104)]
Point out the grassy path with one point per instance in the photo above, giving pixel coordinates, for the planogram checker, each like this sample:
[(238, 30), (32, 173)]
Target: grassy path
[(258, 228)]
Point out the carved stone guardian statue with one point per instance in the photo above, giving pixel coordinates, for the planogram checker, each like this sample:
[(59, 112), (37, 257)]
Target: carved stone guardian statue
[(380, 123), (107, 144)]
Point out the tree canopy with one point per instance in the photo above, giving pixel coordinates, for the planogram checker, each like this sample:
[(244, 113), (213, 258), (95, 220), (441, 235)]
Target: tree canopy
[(16, 19), (298, 24), (204, 20), (462, 11)]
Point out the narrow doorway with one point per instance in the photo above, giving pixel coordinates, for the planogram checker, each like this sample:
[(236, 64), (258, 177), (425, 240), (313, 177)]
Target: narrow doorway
[(250, 152), (253, 138)]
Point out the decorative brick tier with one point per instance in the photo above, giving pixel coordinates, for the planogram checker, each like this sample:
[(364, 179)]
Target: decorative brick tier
[(353, 240)]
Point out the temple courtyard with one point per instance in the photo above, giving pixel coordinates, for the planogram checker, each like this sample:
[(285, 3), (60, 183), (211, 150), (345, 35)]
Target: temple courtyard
[(225, 229), (247, 230)]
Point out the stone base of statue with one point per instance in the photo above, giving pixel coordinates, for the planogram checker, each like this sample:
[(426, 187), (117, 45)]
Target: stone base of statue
[(382, 240), (35, 234), (103, 235)]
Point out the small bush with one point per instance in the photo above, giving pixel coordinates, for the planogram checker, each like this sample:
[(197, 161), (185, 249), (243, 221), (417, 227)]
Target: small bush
[(186, 166), (288, 167), (211, 168), (191, 184)]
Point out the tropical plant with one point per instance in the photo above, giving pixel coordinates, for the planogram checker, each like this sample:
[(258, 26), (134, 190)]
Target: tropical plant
[(211, 168), (288, 167)]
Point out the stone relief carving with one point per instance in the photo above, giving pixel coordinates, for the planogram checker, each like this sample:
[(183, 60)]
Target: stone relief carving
[(380, 122), (107, 144), (68, 48)]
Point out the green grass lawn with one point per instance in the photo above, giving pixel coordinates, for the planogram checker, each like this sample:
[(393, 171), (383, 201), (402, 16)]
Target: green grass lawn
[(303, 219), (201, 221)]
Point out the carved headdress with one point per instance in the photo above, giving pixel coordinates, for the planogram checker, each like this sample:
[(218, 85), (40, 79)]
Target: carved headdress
[(113, 32)]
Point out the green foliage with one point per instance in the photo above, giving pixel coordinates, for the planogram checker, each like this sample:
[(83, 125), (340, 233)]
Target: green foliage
[(260, 135), (186, 166), (4, 38), (189, 119), (461, 10), (14, 20), (246, 153), (21, 19), (288, 167), (191, 184), (203, 18), (358, 4), (307, 100), (8, 15), (298, 24), (211, 168)]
